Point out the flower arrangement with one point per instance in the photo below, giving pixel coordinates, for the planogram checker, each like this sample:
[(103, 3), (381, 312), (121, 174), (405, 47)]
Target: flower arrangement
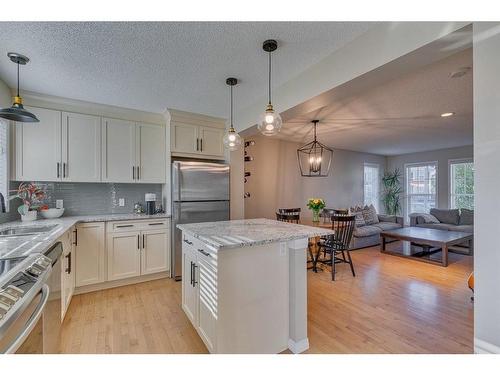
[(316, 204), (31, 195)]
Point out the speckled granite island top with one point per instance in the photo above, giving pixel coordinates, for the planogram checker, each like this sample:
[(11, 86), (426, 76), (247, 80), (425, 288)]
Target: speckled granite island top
[(252, 232)]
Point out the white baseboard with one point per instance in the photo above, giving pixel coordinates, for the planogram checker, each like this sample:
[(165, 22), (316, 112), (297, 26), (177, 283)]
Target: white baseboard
[(118, 283), (483, 347), (297, 347)]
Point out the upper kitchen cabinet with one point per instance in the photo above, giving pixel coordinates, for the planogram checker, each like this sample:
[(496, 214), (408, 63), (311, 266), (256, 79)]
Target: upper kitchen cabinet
[(61, 147), (195, 135), (81, 148), (133, 152), (38, 147)]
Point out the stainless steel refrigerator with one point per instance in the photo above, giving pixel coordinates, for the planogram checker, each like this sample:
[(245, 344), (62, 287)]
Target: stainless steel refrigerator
[(200, 192)]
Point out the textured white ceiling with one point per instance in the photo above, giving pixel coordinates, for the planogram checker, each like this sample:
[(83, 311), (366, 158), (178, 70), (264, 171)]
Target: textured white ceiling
[(400, 116), (154, 66)]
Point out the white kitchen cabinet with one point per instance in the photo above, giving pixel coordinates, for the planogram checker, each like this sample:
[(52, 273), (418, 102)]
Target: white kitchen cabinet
[(124, 255), (137, 248), (81, 148), (184, 138), (189, 289), (118, 150), (133, 152), (150, 153), (67, 271), (154, 255), (211, 141), (207, 302), (38, 147), (89, 254)]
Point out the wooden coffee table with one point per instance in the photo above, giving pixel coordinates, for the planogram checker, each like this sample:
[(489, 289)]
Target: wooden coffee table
[(428, 241)]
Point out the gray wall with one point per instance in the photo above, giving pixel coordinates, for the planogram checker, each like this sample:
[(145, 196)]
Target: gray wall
[(90, 198), (276, 182), (487, 181), (442, 157)]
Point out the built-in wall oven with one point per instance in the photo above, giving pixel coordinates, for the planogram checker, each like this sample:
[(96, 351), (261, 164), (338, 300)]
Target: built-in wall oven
[(30, 305)]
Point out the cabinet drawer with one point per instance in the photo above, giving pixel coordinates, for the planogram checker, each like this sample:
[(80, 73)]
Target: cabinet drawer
[(131, 226)]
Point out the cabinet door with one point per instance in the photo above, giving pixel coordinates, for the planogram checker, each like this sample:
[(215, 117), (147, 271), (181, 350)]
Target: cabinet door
[(89, 254), (189, 286), (124, 255), (184, 138), (81, 147), (207, 308), (154, 257), (38, 147), (151, 156), (118, 151), (211, 141)]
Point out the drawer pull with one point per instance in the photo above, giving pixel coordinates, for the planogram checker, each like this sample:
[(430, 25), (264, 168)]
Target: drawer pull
[(125, 226), (204, 252), (188, 242), (155, 223)]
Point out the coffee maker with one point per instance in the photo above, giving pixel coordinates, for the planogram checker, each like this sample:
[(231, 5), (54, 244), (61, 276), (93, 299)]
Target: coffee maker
[(150, 199)]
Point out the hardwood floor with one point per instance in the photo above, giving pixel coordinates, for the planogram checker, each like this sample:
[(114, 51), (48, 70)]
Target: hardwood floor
[(393, 305)]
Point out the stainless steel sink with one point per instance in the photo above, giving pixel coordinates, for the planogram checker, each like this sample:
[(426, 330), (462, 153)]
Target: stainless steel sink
[(27, 230)]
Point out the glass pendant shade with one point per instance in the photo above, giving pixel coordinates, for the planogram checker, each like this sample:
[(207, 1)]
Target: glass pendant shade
[(232, 140), (315, 159), (270, 122), (17, 112)]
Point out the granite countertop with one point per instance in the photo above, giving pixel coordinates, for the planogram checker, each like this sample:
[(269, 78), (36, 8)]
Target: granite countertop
[(12, 246), (252, 232)]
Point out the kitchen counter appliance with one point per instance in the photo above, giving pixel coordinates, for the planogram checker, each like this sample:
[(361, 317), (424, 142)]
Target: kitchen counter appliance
[(200, 192)]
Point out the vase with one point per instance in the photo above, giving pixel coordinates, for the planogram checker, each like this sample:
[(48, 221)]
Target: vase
[(29, 216), (315, 216)]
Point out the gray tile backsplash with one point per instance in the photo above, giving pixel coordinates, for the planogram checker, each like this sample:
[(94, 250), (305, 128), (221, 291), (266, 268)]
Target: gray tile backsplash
[(90, 198)]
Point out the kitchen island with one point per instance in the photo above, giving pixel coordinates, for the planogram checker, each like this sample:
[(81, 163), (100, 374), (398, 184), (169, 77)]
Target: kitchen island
[(244, 285)]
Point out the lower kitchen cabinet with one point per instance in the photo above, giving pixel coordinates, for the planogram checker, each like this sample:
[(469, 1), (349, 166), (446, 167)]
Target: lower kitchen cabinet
[(207, 303), (67, 271), (90, 256), (134, 248), (124, 255), (189, 289)]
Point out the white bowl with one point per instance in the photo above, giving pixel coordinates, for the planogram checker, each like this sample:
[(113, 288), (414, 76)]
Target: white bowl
[(52, 213)]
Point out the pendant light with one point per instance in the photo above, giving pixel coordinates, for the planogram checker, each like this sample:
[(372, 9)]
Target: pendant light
[(17, 112), (270, 121), (314, 158), (232, 140)]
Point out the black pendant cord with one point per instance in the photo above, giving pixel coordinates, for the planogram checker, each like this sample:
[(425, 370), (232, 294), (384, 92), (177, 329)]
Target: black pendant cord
[(231, 110), (17, 79), (315, 131), (270, 77)]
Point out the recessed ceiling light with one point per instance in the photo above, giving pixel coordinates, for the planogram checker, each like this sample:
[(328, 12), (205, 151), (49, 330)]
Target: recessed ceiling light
[(447, 114)]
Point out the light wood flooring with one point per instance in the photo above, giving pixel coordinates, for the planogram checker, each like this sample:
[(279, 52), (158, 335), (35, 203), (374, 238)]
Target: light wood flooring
[(393, 305)]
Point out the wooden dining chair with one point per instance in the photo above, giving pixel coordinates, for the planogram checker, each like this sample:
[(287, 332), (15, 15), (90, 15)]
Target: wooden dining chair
[(327, 213), (289, 215), (335, 248)]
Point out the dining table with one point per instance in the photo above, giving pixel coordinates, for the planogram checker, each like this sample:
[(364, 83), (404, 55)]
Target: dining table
[(314, 241)]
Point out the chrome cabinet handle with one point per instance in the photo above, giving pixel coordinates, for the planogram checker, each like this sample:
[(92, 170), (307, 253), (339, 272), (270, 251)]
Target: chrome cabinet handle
[(194, 274), (64, 170), (125, 226), (76, 237), (138, 242), (68, 269), (143, 241), (31, 323), (197, 144), (204, 252), (188, 242), (133, 173), (201, 144), (191, 281), (58, 169), (138, 173), (159, 224)]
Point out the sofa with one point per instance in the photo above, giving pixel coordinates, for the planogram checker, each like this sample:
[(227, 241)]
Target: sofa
[(369, 235), (447, 219)]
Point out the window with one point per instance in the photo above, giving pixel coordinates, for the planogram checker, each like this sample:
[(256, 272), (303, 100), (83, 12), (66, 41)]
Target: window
[(462, 184), (421, 187), (4, 152), (371, 185)]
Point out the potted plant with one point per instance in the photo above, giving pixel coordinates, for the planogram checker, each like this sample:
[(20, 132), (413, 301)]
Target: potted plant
[(392, 192), (316, 204), (31, 195)]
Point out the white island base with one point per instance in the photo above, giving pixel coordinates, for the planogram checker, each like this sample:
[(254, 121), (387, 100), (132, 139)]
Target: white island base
[(249, 298)]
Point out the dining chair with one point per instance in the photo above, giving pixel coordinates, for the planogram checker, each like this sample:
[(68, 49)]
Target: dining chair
[(335, 248), (289, 215), (327, 213)]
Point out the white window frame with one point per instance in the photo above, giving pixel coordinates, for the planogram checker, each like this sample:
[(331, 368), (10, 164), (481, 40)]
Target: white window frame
[(373, 165), (450, 182), (7, 166), (407, 196)]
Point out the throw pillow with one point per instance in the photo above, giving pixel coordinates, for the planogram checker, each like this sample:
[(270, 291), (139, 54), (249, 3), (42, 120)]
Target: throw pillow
[(370, 215), (359, 219), (428, 219), (466, 217), (446, 216)]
